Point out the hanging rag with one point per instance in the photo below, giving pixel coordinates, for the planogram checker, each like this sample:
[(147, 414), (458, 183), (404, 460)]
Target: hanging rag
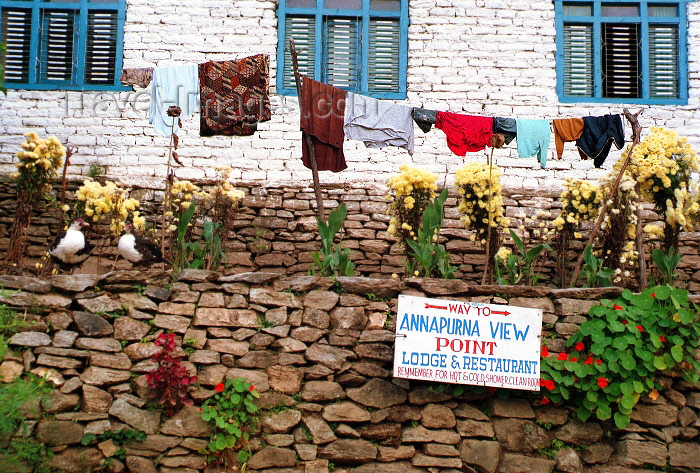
[(379, 123), (175, 85), (598, 135), (424, 118), (137, 76), (533, 139), (322, 118), (465, 132), (234, 96), (506, 127), (566, 129)]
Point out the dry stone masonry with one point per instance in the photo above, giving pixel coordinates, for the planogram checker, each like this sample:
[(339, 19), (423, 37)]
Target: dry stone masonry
[(320, 353), (275, 231)]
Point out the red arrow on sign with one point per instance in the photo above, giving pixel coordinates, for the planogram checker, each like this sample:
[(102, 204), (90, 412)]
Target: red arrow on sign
[(428, 306), (499, 312)]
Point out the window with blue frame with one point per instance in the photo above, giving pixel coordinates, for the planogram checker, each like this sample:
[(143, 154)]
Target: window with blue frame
[(631, 52), (357, 45), (62, 44)]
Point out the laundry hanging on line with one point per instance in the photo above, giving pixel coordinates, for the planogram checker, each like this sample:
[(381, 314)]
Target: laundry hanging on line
[(566, 129), (465, 133), (533, 139), (598, 136), (378, 123), (140, 76), (174, 85), (234, 96), (322, 117)]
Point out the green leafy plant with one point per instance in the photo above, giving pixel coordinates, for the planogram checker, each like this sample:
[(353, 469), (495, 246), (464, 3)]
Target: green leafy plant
[(428, 257), (205, 253), (233, 416), (119, 437), (666, 265), (519, 267), (595, 274), (621, 350), (331, 259)]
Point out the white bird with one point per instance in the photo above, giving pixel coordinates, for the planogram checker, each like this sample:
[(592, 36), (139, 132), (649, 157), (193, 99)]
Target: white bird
[(138, 250), (70, 247)]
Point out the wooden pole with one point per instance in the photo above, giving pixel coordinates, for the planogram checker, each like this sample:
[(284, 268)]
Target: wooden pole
[(489, 256), (636, 132), (309, 144), (639, 241)]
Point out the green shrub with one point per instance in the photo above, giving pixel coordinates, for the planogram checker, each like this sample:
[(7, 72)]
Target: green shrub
[(621, 351)]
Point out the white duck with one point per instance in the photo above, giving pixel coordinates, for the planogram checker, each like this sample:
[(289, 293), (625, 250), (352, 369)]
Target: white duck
[(70, 248), (138, 250)]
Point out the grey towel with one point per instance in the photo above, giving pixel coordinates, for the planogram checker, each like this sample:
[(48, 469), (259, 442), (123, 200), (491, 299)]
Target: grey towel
[(378, 123)]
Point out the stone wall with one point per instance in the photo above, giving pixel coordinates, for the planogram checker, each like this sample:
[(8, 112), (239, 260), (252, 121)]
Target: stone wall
[(322, 362), (276, 231), (490, 57)]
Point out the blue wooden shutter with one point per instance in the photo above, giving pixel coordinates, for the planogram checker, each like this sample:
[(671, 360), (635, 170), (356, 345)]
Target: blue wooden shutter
[(17, 35), (383, 60), (578, 60), (101, 47), (57, 38), (341, 68), (663, 61), (303, 30), (621, 66)]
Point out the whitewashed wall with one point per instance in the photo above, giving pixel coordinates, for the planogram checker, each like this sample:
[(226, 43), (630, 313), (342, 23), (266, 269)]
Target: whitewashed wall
[(491, 57)]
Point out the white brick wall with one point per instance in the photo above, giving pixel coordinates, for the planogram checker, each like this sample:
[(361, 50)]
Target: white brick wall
[(491, 57)]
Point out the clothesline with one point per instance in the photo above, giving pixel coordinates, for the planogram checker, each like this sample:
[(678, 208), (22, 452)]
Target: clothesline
[(234, 98)]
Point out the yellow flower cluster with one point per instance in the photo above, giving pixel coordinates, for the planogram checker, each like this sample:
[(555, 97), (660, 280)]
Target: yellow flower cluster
[(662, 163), (109, 201), (580, 203), (477, 203), (44, 154), (411, 192), (503, 253), (182, 192), (685, 213)]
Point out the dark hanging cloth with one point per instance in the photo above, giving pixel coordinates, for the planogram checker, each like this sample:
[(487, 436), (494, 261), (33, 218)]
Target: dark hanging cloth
[(137, 76), (599, 133), (234, 96), (506, 127), (424, 118), (322, 118)]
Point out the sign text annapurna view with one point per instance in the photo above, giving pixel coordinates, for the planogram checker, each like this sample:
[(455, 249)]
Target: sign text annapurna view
[(468, 343)]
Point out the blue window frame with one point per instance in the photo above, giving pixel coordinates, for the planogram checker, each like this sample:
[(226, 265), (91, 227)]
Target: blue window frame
[(63, 44), (622, 51), (357, 45)]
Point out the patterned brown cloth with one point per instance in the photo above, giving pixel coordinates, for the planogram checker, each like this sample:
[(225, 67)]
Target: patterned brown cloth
[(322, 117), (137, 76), (234, 96)]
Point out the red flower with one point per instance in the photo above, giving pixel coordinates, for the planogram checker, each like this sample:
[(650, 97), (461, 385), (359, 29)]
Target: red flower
[(598, 362), (588, 361), (579, 346), (220, 387), (562, 356), (545, 352), (624, 322), (251, 388), (573, 359), (200, 409), (618, 307), (653, 295), (547, 383), (544, 401), (602, 382), (662, 339), (640, 328)]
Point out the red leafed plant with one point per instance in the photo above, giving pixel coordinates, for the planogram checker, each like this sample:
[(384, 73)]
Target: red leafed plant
[(169, 383)]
